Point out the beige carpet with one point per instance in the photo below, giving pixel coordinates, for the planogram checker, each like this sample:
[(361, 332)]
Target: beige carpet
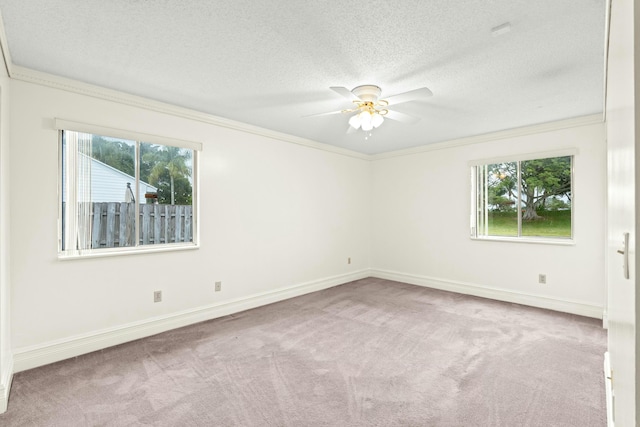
[(368, 353)]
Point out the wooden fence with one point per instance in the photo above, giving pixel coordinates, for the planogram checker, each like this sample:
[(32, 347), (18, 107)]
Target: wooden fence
[(113, 224)]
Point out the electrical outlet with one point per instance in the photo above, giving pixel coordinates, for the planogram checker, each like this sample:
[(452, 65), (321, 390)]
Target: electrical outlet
[(542, 278), (349, 260), (218, 286), (157, 296)]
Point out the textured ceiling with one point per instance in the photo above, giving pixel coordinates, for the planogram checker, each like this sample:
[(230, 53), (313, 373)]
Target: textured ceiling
[(269, 63)]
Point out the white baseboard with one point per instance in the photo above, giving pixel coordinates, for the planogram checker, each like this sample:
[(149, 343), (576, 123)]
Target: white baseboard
[(34, 356), (540, 301), (5, 386)]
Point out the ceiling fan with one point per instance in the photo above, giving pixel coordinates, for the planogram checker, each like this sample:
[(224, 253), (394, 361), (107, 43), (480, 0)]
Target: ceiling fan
[(370, 111)]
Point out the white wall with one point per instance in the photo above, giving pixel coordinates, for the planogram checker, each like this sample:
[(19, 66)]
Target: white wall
[(421, 209), (6, 358), (273, 215)]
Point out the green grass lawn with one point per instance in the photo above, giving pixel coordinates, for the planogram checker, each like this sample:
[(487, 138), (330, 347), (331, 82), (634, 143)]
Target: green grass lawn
[(554, 224)]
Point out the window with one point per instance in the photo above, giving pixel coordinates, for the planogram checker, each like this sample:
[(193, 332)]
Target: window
[(523, 199), (122, 194)]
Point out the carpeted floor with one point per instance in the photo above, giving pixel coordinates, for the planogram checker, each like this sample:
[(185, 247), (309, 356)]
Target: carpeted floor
[(368, 353)]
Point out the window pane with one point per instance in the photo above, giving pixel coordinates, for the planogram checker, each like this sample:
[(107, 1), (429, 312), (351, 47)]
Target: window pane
[(497, 199), (546, 197), (113, 186), (101, 185), (166, 173), (124, 193)]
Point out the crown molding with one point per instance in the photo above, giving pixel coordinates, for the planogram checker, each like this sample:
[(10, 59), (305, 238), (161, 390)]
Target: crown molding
[(493, 136), (62, 83)]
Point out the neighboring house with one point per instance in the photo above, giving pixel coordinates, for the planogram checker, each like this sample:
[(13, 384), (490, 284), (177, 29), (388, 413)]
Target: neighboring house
[(109, 184)]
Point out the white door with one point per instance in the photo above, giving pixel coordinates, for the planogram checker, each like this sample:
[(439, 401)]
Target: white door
[(622, 116)]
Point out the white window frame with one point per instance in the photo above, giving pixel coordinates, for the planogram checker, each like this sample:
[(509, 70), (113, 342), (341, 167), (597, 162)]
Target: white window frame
[(67, 125), (474, 164)]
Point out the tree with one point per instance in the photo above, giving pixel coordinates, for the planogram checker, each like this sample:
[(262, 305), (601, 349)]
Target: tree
[(168, 171), (161, 166), (115, 153), (556, 204), (502, 188), (540, 180)]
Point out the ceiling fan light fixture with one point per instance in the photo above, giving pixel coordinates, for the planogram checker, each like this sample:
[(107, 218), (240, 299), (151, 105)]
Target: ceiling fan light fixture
[(355, 121), (366, 120), (367, 127), (369, 111), (376, 119)]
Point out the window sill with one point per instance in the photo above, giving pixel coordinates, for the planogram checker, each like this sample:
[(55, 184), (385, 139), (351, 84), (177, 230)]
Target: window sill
[(102, 253), (534, 240)]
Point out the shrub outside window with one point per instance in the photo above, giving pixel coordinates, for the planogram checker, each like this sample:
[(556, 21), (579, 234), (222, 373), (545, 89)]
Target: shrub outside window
[(523, 199), (121, 194)]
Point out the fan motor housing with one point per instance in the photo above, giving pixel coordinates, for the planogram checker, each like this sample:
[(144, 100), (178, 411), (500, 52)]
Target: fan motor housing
[(369, 93)]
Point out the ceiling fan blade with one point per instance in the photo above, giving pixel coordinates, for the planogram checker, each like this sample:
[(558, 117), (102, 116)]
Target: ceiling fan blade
[(351, 130), (324, 114), (401, 117), (343, 91), (412, 95)]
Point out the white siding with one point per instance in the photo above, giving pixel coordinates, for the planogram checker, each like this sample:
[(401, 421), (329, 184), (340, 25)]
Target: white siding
[(109, 184)]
